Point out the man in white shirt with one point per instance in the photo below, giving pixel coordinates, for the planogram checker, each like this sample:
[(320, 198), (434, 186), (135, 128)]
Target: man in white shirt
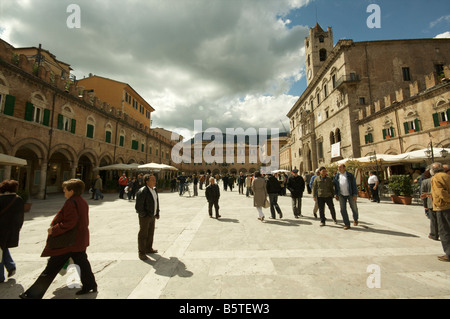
[(373, 186)]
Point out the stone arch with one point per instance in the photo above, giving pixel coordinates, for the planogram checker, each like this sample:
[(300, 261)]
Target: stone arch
[(414, 147), (65, 149), (391, 151), (38, 147)]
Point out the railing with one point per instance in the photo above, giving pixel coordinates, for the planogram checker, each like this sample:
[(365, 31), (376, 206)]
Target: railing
[(352, 78)]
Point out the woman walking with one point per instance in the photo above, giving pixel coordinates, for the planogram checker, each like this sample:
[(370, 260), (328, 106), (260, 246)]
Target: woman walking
[(260, 194), (68, 237), (11, 221)]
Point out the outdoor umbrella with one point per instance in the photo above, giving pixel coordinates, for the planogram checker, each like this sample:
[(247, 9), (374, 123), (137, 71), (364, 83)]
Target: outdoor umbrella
[(7, 160)]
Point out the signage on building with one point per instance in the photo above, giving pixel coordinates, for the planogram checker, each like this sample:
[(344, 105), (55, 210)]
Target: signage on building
[(336, 150)]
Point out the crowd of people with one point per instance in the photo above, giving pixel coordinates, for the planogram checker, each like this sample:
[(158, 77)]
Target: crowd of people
[(68, 234)]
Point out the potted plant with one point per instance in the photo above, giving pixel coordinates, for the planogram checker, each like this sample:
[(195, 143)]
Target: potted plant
[(402, 189)]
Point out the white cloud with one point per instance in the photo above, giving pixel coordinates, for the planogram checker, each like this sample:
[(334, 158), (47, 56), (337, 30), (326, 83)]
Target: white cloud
[(229, 62), (439, 20), (443, 35)]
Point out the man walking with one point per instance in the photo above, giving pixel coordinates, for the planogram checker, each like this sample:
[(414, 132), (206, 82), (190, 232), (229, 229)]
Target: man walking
[(182, 181), (241, 182), (296, 185), (323, 192), (273, 189), (212, 194), (147, 207), (440, 193), (346, 191)]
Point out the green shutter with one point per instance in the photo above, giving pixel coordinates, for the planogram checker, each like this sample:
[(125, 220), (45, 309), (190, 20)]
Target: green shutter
[(370, 137), (29, 108), (392, 131), (73, 126), (384, 134), (9, 105), (108, 137), (142, 148), (46, 120), (366, 138), (90, 131), (134, 145), (436, 119), (60, 122), (417, 124), (448, 114), (406, 127), (121, 141)]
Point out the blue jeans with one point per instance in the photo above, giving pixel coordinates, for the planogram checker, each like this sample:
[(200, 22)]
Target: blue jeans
[(343, 203), (7, 262)]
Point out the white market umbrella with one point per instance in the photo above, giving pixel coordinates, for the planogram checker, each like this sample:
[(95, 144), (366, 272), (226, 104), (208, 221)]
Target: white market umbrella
[(7, 160)]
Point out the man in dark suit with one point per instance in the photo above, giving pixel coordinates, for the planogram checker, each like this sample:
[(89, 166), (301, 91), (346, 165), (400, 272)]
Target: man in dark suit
[(296, 185), (147, 207), (212, 194)]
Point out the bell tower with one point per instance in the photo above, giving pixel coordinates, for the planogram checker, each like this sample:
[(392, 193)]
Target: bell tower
[(318, 46)]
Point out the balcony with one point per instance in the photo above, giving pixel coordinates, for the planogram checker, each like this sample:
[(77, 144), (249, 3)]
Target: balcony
[(353, 78)]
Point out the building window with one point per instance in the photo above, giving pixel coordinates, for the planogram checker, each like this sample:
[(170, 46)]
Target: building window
[(90, 127), (337, 135), (9, 105), (439, 69), (362, 101), (321, 39), (323, 54), (441, 118), (320, 148), (325, 91), (368, 138), (121, 140), (333, 79), (406, 74), (37, 114), (411, 126), (108, 135), (388, 133), (66, 123)]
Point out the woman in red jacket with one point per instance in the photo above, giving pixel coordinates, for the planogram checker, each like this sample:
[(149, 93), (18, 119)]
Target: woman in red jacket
[(75, 213)]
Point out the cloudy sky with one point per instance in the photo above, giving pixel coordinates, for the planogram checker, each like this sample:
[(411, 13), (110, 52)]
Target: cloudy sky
[(229, 63)]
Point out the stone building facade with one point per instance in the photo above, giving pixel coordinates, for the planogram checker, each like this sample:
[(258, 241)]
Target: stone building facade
[(403, 123), (347, 79), (63, 132)]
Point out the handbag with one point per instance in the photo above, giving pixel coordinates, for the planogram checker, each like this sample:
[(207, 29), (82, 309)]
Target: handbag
[(266, 203), (64, 240)]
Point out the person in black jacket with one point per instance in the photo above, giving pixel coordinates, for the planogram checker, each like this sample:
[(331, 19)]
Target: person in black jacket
[(296, 185), (274, 189), (212, 193), (147, 207), (11, 221)]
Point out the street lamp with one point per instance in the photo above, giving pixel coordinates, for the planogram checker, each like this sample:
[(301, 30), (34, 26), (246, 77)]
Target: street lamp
[(374, 158), (429, 151)]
